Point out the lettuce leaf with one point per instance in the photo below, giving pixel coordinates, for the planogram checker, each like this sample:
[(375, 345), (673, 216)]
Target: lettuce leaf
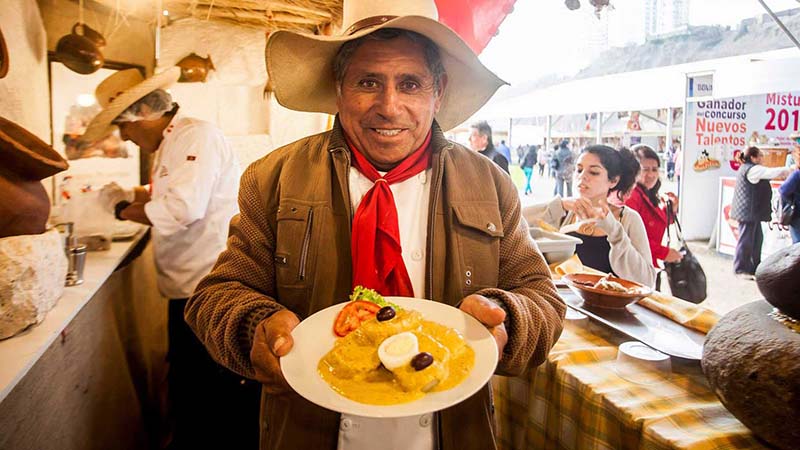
[(369, 295)]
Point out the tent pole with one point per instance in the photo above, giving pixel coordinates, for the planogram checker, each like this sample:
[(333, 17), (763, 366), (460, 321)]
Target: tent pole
[(668, 135), (780, 24), (599, 136), (510, 123)]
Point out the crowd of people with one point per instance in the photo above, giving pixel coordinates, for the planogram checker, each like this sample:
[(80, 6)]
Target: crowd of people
[(621, 219)]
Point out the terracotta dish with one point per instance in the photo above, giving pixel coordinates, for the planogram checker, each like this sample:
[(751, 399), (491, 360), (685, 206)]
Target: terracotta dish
[(26, 155), (583, 286), (3, 56)]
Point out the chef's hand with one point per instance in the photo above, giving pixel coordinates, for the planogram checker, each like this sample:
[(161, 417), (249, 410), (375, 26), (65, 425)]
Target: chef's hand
[(488, 313), (273, 340), (112, 193)]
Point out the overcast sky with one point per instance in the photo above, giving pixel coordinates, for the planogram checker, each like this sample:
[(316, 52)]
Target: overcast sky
[(542, 36)]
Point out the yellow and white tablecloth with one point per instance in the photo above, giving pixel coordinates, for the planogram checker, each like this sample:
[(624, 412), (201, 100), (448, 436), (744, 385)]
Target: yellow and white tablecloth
[(576, 400)]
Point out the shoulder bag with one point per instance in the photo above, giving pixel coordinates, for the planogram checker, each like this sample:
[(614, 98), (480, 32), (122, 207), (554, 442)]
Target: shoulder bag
[(686, 278), (786, 211)]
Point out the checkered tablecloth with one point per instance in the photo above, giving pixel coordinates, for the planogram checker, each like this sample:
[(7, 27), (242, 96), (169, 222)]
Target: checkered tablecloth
[(576, 400)]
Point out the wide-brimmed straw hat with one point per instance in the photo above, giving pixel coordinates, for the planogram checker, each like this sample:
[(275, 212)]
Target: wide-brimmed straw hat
[(119, 91), (300, 66)]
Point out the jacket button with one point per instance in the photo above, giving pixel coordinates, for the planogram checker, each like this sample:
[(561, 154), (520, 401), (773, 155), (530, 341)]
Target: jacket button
[(491, 227), (346, 424), (425, 420), (416, 255), (468, 273), (468, 282)]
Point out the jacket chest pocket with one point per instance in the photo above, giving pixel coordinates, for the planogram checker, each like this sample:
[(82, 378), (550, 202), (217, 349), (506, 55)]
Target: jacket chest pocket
[(293, 248), (479, 229)]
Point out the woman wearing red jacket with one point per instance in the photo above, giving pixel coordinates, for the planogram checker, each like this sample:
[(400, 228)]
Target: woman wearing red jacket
[(644, 200)]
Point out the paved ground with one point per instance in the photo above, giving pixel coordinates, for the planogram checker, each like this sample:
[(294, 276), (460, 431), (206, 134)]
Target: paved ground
[(725, 291)]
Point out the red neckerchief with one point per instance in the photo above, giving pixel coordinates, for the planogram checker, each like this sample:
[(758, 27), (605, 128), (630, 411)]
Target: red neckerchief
[(375, 239)]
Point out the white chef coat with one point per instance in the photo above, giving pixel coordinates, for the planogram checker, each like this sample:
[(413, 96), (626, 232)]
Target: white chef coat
[(195, 183), (411, 198)]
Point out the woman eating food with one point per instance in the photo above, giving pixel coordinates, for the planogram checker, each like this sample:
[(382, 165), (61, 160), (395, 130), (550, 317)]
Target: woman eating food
[(646, 201), (614, 238)]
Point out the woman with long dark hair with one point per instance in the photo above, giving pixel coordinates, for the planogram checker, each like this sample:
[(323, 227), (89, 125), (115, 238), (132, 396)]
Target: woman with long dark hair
[(614, 237), (645, 200), (752, 204)]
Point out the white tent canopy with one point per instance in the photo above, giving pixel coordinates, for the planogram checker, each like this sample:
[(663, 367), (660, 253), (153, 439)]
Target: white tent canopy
[(653, 88)]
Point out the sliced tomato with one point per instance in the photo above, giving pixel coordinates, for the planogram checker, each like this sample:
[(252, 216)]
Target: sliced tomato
[(351, 316)]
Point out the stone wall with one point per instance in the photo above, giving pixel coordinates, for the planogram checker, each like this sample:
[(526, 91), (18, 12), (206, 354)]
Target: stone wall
[(24, 92)]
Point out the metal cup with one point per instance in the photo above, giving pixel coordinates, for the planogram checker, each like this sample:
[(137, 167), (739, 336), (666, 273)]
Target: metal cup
[(65, 229), (76, 257)]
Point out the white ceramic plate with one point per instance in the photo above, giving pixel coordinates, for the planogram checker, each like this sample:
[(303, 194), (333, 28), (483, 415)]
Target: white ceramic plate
[(314, 337)]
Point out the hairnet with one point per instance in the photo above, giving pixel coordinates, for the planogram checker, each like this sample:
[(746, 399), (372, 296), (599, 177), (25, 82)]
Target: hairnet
[(150, 107)]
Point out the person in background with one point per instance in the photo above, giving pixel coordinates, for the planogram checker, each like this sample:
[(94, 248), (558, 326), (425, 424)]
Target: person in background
[(565, 169), (751, 205), (527, 166), (541, 159), (504, 150), (521, 150), (645, 200), (670, 158), (678, 164), (790, 193), (188, 205), (614, 238), (390, 191), (480, 140), (552, 163)]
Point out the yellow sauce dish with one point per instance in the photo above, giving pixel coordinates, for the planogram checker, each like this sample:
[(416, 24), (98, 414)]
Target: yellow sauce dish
[(354, 369)]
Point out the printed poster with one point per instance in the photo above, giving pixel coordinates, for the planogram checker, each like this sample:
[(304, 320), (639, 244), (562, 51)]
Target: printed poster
[(717, 130)]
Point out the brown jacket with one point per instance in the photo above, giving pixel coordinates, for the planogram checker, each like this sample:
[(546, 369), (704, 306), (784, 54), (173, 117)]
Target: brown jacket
[(290, 248)]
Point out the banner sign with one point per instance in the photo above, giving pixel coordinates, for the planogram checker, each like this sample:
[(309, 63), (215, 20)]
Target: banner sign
[(776, 237), (700, 86), (716, 131)]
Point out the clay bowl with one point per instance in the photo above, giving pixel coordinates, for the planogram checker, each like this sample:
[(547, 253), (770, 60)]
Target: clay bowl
[(582, 285), (26, 155), (3, 56)]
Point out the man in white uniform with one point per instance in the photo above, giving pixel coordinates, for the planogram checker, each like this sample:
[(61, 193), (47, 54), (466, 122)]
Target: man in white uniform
[(189, 203)]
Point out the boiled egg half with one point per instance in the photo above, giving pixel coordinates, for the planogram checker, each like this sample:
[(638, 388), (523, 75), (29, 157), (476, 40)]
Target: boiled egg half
[(398, 350)]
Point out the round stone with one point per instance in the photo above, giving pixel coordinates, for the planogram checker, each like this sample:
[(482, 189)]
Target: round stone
[(752, 362), (778, 279)]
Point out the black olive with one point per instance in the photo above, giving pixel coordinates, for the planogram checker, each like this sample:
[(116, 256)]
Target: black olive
[(421, 361), (385, 313)]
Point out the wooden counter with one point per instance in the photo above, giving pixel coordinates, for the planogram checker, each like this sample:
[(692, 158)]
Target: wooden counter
[(92, 374)]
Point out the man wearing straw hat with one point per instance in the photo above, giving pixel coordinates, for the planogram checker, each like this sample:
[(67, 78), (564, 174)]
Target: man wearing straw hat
[(382, 200), (189, 203)]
